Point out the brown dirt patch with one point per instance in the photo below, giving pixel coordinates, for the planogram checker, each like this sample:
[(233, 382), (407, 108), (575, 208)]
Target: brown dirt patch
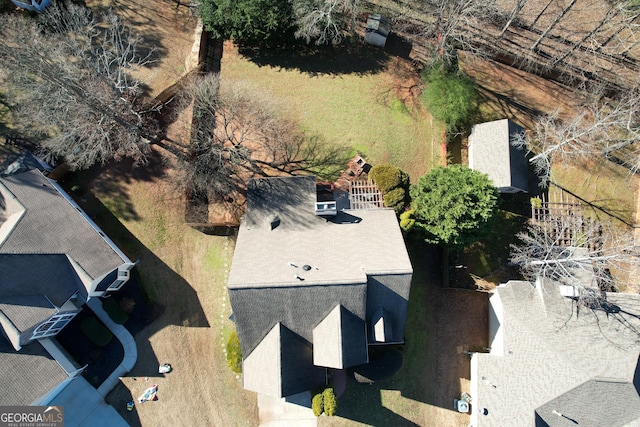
[(511, 93)]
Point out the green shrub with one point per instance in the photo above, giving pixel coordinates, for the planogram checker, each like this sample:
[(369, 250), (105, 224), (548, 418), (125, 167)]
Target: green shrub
[(396, 199), (407, 220), (317, 404), (387, 177), (234, 353), (95, 330), (115, 312), (450, 96), (536, 202), (330, 401)]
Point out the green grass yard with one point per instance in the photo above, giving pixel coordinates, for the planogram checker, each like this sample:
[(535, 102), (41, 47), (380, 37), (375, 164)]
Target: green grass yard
[(358, 110)]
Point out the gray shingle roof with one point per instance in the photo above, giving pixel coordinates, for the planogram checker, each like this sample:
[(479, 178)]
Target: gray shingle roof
[(598, 402), (491, 151), (28, 374), (340, 340), (337, 253), (548, 349), (33, 285), (51, 225), (292, 267), (389, 292), (281, 365), (300, 309)]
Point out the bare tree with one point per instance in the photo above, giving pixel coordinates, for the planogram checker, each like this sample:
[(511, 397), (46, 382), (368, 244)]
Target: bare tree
[(324, 21), (455, 26), (72, 83), (551, 26), (603, 126), (512, 16), (574, 251), (237, 134)]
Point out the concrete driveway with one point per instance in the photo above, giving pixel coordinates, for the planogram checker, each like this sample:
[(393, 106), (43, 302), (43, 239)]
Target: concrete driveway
[(294, 411)]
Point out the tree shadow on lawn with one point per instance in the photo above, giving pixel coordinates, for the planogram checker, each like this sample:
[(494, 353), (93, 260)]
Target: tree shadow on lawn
[(113, 174), (148, 312), (350, 58)]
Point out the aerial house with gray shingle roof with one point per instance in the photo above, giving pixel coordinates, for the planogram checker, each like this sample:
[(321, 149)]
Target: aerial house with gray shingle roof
[(493, 150), (312, 289), (554, 363), (53, 259)]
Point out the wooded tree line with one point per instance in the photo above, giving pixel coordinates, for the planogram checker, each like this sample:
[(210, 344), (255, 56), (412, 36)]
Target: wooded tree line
[(574, 41), (69, 77)]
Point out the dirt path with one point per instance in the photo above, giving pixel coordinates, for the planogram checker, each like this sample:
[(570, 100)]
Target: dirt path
[(457, 323)]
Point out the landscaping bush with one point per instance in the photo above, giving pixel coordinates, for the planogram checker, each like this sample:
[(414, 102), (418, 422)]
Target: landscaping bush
[(115, 312), (450, 96), (317, 404), (407, 220), (96, 331), (387, 177), (234, 353), (393, 183), (330, 401), (396, 199)]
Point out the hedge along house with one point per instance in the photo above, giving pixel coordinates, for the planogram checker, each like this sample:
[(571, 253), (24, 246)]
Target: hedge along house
[(313, 284), (492, 151), (53, 259)]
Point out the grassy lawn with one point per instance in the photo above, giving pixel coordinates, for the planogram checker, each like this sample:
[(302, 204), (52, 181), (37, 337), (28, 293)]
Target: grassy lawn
[(357, 107), (603, 185)]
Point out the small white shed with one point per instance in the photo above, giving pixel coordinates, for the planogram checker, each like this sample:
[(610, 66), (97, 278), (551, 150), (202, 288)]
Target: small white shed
[(492, 151)]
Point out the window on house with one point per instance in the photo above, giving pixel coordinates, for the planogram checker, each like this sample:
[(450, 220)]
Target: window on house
[(116, 285), (52, 326), (123, 277)]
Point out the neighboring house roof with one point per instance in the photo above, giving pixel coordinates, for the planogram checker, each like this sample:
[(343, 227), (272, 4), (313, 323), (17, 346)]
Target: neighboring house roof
[(51, 225), (618, 403), (491, 151), (12, 164), (33, 286), (547, 355), (315, 275), (49, 251), (27, 374)]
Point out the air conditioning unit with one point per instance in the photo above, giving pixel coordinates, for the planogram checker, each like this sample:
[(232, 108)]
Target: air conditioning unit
[(461, 405)]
